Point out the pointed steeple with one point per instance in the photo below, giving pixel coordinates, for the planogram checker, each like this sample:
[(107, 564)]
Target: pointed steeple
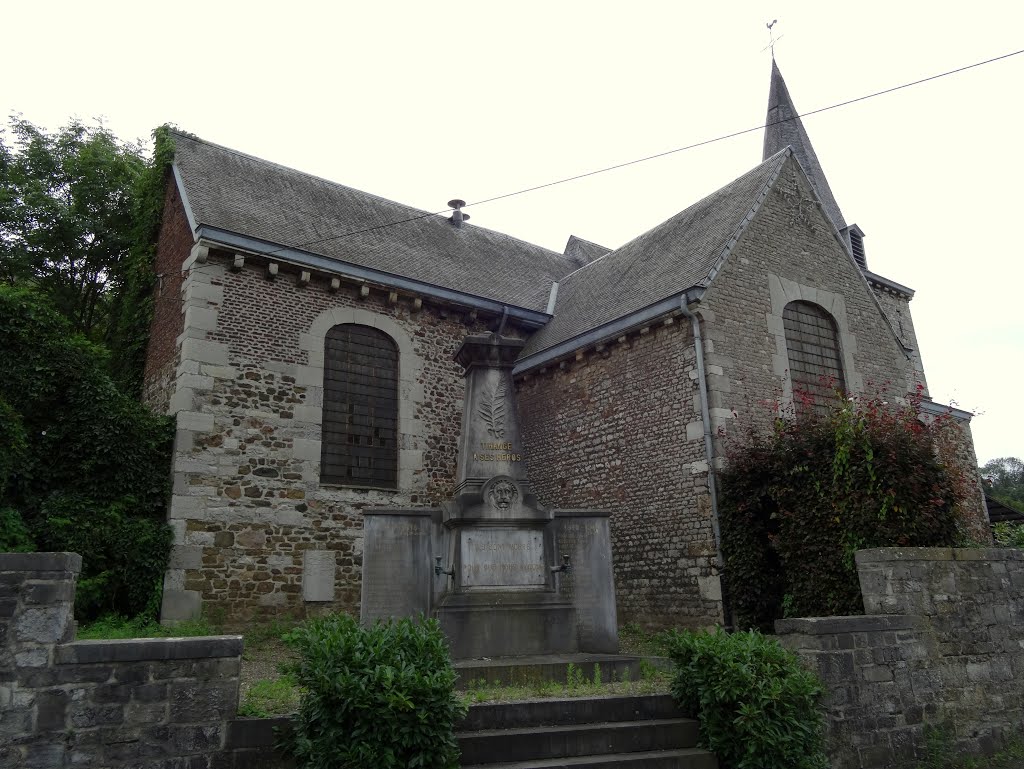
[(784, 128)]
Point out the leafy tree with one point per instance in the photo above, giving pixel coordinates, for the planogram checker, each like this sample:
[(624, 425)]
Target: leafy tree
[(1004, 479), (66, 217), (83, 467)]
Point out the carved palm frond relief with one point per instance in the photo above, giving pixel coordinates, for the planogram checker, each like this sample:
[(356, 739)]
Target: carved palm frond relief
[(492, 408)]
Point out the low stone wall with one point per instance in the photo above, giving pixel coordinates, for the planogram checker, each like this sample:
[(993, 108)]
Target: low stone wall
[(942, 644), (165, 703)]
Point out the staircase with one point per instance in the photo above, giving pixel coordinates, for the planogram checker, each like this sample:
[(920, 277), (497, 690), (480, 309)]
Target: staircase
[(637, 732)]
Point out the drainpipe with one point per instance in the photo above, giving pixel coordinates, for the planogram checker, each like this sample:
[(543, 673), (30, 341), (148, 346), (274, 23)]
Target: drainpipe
[(709, 452)]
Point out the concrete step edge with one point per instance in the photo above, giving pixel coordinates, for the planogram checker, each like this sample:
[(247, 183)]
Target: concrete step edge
[(681, 758), (555, 711), (569, 728)]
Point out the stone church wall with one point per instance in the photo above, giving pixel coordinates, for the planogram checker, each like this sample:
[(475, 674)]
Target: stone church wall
[(620, 429), (790, 253), (255, 533)]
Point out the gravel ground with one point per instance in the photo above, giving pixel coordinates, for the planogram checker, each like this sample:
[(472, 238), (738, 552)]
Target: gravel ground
[(260, 661)]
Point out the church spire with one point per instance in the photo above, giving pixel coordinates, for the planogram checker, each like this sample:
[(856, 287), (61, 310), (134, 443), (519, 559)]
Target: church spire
[(784, 128)]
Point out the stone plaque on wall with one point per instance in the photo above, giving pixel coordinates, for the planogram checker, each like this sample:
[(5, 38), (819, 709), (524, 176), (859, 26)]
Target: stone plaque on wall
[(502, 557), (318, 568)]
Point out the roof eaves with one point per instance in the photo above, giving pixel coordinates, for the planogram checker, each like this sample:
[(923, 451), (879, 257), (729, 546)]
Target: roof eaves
[(890, 285), (939, 409), (327, 264), (611, 329)]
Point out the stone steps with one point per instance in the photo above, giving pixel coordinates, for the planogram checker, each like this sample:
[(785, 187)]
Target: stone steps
[(515, 671), (634, 731)]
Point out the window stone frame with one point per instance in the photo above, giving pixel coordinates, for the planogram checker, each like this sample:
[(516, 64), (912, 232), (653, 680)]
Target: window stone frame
[(411, 431), (782, 292)]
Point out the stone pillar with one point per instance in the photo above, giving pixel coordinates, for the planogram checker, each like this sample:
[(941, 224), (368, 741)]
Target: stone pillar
[(37, 593)]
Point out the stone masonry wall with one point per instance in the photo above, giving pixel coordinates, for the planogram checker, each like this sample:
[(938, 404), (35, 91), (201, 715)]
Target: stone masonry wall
[(255, 532), (896, 306), (620, 429), (942, 645), (151, 704), (789, 252), (173, 248)]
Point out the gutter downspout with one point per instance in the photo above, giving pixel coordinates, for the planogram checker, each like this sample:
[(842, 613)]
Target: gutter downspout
[(709, 453)]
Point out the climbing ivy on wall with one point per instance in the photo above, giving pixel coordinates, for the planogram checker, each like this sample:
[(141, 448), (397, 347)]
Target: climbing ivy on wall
[(133, 306), (799, 500)]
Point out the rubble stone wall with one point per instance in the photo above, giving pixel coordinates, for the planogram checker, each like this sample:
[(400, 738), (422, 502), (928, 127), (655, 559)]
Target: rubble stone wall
[(620, 429), (255, 532)]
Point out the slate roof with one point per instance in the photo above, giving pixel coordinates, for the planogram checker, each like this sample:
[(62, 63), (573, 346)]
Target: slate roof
[(584, 251), (242, 194), (678, 254), (783, 128)]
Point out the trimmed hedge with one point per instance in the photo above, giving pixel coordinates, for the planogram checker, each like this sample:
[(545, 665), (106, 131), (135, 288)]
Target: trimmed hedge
[(379, 697), (757, 707)]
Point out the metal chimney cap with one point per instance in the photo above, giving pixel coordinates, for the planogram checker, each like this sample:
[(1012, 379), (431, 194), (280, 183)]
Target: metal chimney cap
[(456, 204)]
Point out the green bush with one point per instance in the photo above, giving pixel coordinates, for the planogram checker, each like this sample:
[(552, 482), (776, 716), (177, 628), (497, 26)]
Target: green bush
[(757, 707), (798, 501), (14, 534), (1009, 534), (124, 556), (375, 697)]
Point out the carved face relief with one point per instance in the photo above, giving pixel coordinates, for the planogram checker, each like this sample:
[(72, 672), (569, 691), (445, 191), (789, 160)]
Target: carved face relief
[(503, 495)]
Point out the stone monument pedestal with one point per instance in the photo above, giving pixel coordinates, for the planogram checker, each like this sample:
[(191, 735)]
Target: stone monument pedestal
[(503, 576)]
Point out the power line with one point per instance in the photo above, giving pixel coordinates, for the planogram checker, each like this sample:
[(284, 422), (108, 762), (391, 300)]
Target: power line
[(657, 155)]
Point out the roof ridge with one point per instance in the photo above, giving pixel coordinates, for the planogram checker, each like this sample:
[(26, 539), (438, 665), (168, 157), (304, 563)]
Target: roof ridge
[(413, 209)]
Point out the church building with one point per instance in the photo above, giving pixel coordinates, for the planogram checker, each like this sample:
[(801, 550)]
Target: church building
[(313, 377)]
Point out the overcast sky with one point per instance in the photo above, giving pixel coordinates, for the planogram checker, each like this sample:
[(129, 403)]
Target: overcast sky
[(424, 102)]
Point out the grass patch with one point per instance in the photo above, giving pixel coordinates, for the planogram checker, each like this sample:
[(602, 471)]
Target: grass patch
[(577, 684), (634, 640), (266, 698), (114, 627)]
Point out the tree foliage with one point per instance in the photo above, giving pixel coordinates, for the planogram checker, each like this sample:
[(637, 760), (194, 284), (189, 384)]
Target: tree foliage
[(84, 466), (1004, 479), (799, 501), (79, 216), (66, 217)]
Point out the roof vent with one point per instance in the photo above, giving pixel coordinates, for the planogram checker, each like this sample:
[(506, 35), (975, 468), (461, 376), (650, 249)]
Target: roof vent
[(857, 246), (457, 217)]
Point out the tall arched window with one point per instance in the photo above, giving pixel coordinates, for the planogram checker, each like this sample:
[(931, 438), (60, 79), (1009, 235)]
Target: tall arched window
[(815, 366), (360, 422)]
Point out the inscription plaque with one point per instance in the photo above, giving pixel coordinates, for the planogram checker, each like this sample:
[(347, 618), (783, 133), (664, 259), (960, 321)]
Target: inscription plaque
[(503, 558)]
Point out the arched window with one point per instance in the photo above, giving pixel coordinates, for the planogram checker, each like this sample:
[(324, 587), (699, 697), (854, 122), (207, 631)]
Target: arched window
[(360, 422), (815, 366)]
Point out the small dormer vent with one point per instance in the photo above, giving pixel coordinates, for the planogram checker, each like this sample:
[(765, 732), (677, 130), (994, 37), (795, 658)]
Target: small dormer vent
[(457, 217), (857, 246)]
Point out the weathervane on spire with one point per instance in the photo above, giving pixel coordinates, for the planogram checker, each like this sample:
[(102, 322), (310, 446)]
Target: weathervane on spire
[(771, 37)]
